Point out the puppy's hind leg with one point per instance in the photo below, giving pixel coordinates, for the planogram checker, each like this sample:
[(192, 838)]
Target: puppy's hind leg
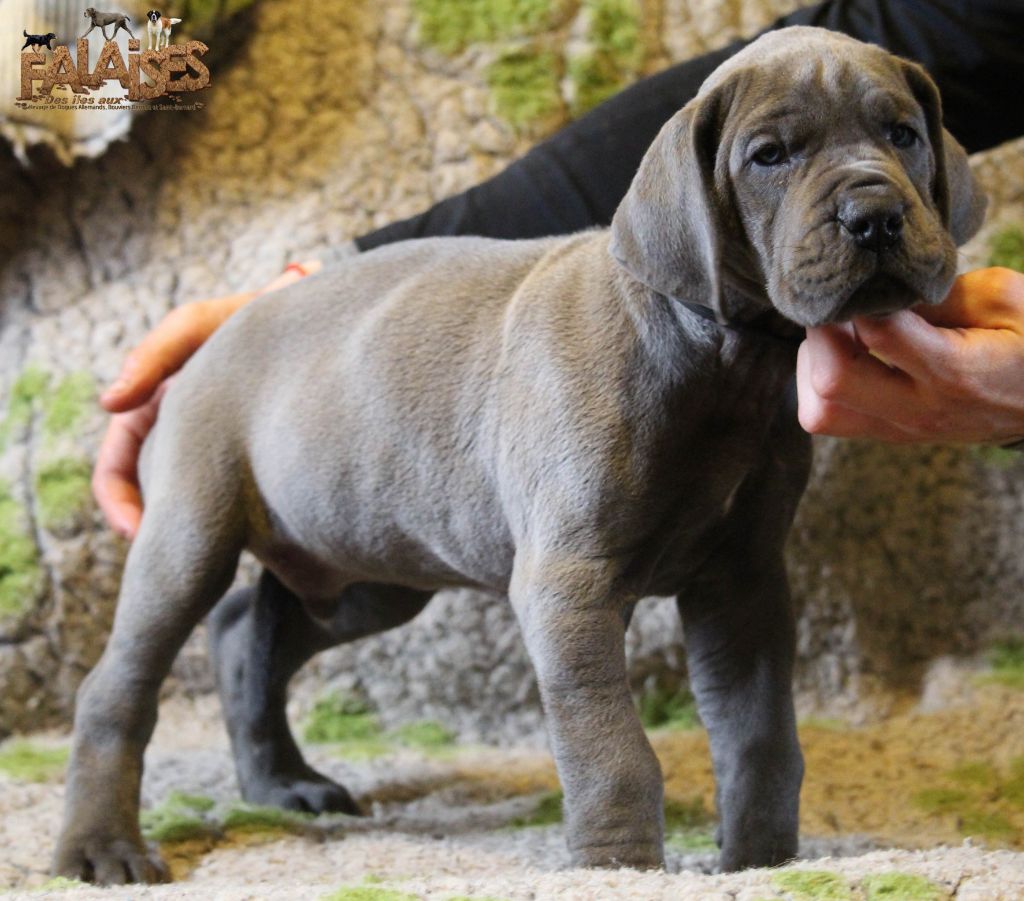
[(259, 638), (181, 562)]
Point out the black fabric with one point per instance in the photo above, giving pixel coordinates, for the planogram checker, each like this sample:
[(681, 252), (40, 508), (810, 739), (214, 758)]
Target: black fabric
[(974, 49)]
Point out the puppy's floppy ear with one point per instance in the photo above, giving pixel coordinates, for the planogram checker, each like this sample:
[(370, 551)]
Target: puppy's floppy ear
[(958, 196), (667, 231)]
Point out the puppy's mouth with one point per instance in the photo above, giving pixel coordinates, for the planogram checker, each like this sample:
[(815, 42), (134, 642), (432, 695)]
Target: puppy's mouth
[(861, 286), (879, 295)]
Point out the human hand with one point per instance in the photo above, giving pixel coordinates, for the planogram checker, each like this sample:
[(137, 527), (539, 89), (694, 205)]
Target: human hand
[(136, 394), (953, 372)]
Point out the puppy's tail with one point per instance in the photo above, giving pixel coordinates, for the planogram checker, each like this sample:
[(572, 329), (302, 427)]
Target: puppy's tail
[(24, 32), (174, 21)]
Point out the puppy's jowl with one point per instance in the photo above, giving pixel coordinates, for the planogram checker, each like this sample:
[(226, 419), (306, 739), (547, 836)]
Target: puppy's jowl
[(578, 422)]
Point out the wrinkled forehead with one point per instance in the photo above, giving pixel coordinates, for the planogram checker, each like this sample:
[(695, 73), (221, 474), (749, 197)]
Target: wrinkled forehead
[(811, 70)]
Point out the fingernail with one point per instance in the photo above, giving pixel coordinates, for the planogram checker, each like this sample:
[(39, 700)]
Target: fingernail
[(118, 387)]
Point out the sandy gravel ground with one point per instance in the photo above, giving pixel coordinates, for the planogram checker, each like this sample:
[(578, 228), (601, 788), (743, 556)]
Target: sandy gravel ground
[(439, 823)]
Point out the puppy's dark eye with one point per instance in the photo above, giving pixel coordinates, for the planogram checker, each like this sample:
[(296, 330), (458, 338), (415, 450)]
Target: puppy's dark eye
[(903, 136), (770, 155)]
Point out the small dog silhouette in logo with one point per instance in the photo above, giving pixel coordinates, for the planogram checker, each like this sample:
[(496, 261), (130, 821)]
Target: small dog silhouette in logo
[(38, 40), (102, 20), (159, 27)]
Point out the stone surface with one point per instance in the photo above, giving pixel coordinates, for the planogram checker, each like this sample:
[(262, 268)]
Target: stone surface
[(898, 556)]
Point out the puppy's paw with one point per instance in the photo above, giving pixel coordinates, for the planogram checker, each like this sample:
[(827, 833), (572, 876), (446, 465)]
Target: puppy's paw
[(617, 856), (307, 795), (108, 861), (758, 854)]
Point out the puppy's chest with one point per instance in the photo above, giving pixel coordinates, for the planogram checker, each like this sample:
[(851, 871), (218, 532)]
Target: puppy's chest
[(704, 507), (713, 488)]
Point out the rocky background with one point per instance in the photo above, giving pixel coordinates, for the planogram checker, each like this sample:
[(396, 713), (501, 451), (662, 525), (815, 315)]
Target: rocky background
[(321, 124)]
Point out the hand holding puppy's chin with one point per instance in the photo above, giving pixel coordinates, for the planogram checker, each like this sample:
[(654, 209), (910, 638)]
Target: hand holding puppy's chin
[(948, 373)]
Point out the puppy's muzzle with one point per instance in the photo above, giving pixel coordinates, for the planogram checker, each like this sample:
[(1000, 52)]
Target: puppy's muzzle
[(873, 217)]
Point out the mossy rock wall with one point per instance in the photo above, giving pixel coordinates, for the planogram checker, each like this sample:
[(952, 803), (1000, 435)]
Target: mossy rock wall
[(898, 556)]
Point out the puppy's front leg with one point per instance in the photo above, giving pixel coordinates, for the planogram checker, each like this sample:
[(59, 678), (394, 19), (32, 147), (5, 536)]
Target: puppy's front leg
[(740, 639), (574, 630)]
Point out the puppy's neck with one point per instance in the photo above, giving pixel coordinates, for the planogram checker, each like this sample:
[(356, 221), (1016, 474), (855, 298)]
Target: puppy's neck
[(751, 320)]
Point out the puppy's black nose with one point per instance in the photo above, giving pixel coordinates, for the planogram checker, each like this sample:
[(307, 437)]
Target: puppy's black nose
[(874, 223)]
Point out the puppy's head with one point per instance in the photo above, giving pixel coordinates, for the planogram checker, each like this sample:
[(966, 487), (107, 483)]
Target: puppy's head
[(811, 173), (90, 12), (153, 15)]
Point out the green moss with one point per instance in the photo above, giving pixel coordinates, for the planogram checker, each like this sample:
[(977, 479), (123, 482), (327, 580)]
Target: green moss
[(338, 718), (616, 57), (356, 733), (824, 723), (62, 490), (1013, 786), (230, 7), (370, 749), (451, 25), (986, 824), (1007, 248), (368, 893), (21, 576), (179, 818), (524, 87), (685, 815), (687, 825), (663, 708), (198, 803), (1007, 662), (812, 885), (425, 735), (255, 818), (688, 820), (61, 884), (901, 887), (29, 762), (981, 795), (173, 826), (940, 800), (30, 385), (595, 79), (977, 773), (69, 403), (201, 17), (997, 457), (691, 840), (547, 812)]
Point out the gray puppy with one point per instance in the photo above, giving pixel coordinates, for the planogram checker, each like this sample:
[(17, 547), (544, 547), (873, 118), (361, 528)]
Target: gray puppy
[(563, 420)]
